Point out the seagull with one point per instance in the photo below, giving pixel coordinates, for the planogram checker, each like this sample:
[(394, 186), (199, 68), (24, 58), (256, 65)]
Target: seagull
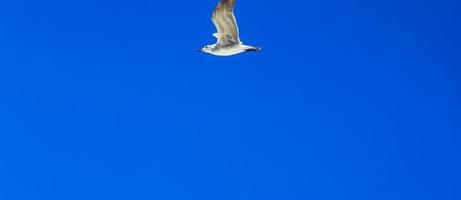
[(228, 41)]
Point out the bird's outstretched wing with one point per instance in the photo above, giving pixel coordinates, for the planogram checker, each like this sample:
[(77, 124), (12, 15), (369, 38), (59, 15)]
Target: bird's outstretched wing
[(224, 20)]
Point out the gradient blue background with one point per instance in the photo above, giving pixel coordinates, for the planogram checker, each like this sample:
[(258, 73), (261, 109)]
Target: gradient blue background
[(348, 100)]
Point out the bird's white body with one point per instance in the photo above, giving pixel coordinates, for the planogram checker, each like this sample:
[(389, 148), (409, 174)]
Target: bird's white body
[(228, 51)]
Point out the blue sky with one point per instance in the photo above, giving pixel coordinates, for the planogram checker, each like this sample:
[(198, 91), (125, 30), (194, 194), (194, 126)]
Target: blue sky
[(348, 100)]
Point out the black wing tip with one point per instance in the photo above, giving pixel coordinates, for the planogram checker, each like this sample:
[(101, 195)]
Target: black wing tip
[(254, 49)]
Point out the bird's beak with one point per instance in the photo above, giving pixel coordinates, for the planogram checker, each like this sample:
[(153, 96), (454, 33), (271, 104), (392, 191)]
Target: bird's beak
[(200, 50)]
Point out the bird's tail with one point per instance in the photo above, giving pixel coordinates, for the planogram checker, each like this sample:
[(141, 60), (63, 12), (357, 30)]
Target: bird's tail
[(253, 49)]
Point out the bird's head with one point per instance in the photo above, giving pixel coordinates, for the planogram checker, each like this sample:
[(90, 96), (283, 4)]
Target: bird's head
[(206, 48)]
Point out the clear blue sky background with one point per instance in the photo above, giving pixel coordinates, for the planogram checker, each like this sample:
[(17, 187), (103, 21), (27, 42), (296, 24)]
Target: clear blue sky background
[(109, 99)]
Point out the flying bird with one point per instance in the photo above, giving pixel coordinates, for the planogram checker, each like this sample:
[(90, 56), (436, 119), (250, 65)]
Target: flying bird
[(228, 41)]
